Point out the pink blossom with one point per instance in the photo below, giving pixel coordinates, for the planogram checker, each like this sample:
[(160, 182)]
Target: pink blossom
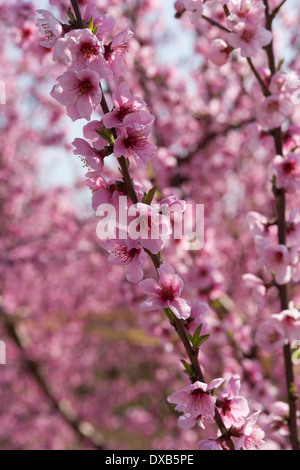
[(293, 231), (277, 261), (93, 150), (95, 180), (196, 399), (128, 110), (256, 223), (132, 260), (287, 172), (179, 6), (258, 287), (219, 52), (290, 322), (195, 7), (279, 408), (296, 269), (89, 155), (91, 133), (271, 336), (209, 444), (198, 314), (278, 81), (172, 207), (249, 38), (134, 143), (291, 139), (252, 437), (79, 92), (234, 408), (274, 111), (166, 293), (50, 28), (278, 418), (99, 187), (147, 227), (81, 49), (105, 23), (208, 277), (115, 50), (248, 11), (186, 421)]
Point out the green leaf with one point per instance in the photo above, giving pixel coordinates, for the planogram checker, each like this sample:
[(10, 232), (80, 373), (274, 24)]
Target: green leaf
[(107, 135), (191, 338), (90, 24), (189, 369), (198, 332), (95, 30), (280, 64), (196, 339), (71, 15), (148, 197), (201, 340)]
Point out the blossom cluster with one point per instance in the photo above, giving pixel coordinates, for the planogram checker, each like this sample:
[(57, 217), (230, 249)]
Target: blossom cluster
[(279, 264), (93, 54), (198, 403), (67, 305), (247, 33), (245, 24), (124, 132), (247, 36)]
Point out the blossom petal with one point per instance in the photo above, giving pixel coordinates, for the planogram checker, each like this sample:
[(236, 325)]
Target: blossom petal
[(180, 308)]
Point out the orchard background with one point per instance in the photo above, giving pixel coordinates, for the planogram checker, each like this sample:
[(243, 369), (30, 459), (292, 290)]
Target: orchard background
[(217, 83)]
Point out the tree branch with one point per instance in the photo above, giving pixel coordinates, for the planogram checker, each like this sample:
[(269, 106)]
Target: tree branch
[(93, 438), (281, 222), (178, 324), (80, 22)]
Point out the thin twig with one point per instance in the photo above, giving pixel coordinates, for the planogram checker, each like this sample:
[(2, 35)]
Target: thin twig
[(283, 290), (264, 87), (215, 23), (80, 22), (177, 323), (93, 438)]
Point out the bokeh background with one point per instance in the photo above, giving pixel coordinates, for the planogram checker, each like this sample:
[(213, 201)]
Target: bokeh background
[(85, 368)]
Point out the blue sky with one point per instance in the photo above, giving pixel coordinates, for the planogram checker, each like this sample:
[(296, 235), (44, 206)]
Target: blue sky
[(60, 167)]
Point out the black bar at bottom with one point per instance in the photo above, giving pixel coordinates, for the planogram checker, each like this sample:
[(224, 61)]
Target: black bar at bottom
[(143, 458)]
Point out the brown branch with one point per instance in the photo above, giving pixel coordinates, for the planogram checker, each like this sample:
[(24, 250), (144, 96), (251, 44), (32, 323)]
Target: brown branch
[(277, 10), (215, 23), (177, 323), (80, 22), (93, 438), (281, 222), (264, 87), (209, 138), (249, 60)]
